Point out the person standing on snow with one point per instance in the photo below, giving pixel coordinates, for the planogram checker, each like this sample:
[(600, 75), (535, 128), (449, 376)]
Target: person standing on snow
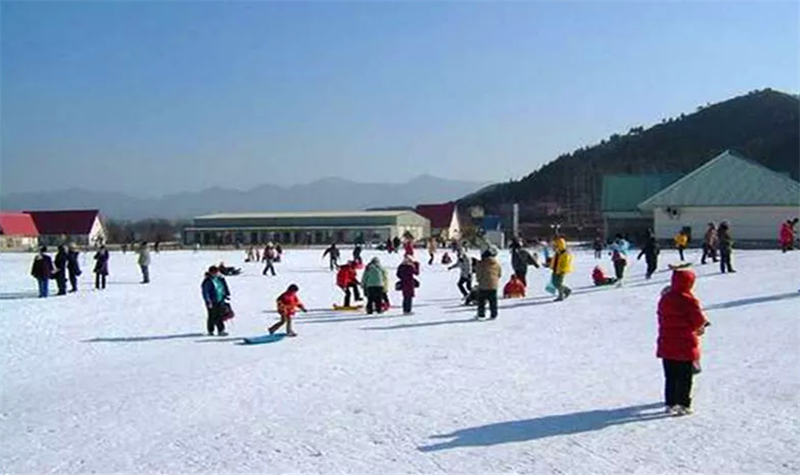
[(725, 247), (101, 268), (681, 241), (407, 282), (488, 274), (42, 271), (561, 264), (597, 245), (333, 254), (357, 255), (60, 274), (464, 264), (144, 262), (372, 281), (709, 244), (431, 250), (786, 236), (520, 260), (347, 279), (73, 267), (215, 293), (680, 324), (650, 252)]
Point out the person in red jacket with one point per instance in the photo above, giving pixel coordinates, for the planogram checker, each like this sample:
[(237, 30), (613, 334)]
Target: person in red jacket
[(786, 235), (680, 324), (347, 279), (599, 277), (408, 247), (514, 288), (288, 303)]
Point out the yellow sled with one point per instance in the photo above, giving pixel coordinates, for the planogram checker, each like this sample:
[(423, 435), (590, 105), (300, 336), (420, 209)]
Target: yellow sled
[(351, 308)]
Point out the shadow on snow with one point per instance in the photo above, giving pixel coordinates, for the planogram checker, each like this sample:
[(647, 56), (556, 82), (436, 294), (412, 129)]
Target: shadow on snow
[(422, 324), (542, 427), (133, 339), (752, 301)]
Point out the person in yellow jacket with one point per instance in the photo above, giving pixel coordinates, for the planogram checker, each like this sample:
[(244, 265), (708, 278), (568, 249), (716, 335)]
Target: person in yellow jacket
[(681, 240), (561, 265)]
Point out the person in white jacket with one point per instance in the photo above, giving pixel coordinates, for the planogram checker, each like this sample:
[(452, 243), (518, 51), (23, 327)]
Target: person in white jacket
[(144, 262), (464, 264)]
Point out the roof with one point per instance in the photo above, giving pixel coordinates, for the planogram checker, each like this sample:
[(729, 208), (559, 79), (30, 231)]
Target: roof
[(625, 192), (75, 222), (728, 179), (440, 215), (17, 224), (306, 214)]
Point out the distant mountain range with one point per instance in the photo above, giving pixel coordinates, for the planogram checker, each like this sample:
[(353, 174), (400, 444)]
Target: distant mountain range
[(327, 194)]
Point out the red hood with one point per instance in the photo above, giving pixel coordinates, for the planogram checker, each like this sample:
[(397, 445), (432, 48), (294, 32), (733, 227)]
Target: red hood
[(683, 280)]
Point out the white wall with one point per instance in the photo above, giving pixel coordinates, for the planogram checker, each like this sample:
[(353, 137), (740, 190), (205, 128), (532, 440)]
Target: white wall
[(747, 222), (454, 232), (98, 232)]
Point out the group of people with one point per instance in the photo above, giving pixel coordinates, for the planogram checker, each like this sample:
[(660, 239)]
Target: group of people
[(65, 267)]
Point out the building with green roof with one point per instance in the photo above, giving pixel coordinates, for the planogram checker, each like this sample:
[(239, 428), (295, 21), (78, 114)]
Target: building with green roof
[(305, 227), (752, 198), (621, 195)]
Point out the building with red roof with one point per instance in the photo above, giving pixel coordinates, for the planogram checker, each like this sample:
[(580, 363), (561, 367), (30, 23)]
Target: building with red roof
[(445, 219), (82, 227), (18, 231)]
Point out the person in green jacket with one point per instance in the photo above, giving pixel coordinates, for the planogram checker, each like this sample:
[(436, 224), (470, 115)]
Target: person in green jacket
[(373, 282)]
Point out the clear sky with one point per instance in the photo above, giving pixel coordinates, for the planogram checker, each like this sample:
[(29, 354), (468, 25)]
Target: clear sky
[(151, 98)]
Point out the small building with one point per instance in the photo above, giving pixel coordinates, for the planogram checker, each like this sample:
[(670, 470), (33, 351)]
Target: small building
[(82, 227), (621, 195), (754, 199), (445, 220), (18, 231), (305, 228)]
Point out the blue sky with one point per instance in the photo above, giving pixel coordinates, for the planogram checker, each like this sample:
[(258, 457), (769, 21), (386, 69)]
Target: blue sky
[(151, 98)]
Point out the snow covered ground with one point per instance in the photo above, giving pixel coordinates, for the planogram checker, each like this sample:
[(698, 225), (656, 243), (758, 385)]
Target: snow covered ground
[(125, 380)]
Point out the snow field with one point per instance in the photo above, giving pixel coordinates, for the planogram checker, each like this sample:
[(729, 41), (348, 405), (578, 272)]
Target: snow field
[(125, 380)]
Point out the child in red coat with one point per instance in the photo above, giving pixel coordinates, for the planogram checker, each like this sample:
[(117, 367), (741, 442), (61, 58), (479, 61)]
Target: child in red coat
[(288, 303), (600, 278), (514, 288), (680, 324), (347, 279)]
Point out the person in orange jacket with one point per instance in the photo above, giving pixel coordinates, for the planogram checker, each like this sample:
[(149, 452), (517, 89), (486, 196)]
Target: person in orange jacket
[(288, 304), (347, 279), (514, 288)]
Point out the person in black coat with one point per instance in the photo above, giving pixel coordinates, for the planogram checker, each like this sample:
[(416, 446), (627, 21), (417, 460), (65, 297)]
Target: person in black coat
[(42, 271), (73, 267), (520, 260), (60, 273), (100, 268), (650, 252)]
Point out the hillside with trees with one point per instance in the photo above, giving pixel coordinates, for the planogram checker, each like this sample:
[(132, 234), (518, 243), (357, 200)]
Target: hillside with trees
[(763, 125)]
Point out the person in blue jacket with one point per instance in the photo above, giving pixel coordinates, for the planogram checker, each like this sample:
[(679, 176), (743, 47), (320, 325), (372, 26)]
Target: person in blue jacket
[(215, 294)]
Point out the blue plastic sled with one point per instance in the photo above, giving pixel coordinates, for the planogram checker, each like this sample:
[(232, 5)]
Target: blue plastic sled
[(257, 340)]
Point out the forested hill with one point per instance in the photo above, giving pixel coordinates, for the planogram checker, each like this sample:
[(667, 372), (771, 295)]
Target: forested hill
[(763, 125)]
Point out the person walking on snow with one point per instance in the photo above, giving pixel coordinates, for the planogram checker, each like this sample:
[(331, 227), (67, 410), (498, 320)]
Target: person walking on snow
[(42, 271), (464, 264), (407, 282), (520, 260), (357, 256), (73, 267), (681, 241), (431, 250), (619, 256), (288, 303), (709, 244), (598, 247), (269, 259), (680, 324), (372, 280), (347, 279), (488, 275), (333, 255), (650, 252), (725, 247), (101, 268), (60, 273), (561, 265), (144, 262), (215, 293), (786, 236)]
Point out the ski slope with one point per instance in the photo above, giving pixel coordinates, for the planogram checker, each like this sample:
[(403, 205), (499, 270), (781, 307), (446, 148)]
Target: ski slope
[(125, 380)]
